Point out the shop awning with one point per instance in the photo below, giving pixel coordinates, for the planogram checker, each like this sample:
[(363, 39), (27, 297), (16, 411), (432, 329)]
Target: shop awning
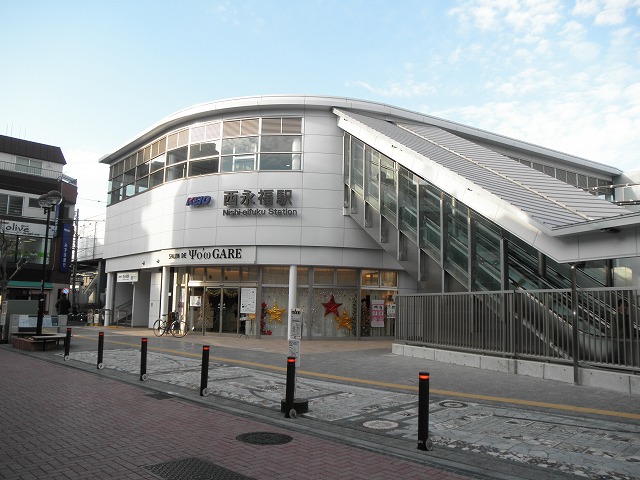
[(25, 284)]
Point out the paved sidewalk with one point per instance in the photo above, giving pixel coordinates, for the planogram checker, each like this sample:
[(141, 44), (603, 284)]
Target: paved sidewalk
[(64, 423), (363, 399)]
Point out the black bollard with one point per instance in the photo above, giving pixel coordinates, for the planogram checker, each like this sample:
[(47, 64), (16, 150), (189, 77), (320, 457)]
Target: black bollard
[(204, 374), (424, 443), (291, 388), (143, 360), (67, 344), (100, 365)]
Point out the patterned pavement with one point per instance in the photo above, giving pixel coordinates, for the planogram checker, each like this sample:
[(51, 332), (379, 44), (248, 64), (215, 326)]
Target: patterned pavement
[(67, 419)]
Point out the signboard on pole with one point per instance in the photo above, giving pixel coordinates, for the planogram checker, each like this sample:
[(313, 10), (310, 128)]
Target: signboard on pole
[(248, 300), (295, 334)]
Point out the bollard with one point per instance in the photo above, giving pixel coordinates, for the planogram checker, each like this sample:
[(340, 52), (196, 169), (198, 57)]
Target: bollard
[(424, 442), (289, 411), (204, 374), (67, 344), (100, 350), (143, 360)]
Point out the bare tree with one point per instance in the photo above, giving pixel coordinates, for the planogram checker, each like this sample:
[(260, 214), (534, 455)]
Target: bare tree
[(10, 255)]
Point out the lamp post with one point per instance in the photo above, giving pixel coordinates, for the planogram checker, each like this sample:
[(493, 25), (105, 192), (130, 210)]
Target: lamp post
[(48, 201)]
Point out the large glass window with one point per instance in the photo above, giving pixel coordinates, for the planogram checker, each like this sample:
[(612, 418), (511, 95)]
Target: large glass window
[(323, 276), (430, 219), (388, 189), (238, 163), (157, 163), (176, 156), (487, 260), (203, 167), (11, 204), (201, 149), (28, 165), (234, 146), (346, 157), (372, 176), (280, 152), (457, 238), (275, 275), (357, 166), (407, 190)]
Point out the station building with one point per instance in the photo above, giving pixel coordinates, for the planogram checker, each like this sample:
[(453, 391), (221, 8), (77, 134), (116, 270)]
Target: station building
[(233, 213)]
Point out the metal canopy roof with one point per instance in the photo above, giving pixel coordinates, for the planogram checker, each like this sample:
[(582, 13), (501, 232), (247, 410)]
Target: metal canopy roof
[(547, 201)]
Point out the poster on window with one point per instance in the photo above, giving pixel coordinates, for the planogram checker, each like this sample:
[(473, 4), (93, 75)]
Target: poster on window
[(248, 300), (195, 301), (377, 313)]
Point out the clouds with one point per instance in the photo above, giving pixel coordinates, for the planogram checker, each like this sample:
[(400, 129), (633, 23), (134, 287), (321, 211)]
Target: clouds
[(523, 16), (607, 12), (555, 73)]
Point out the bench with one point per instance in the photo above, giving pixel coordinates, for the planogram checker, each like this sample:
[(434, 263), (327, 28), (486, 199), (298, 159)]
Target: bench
[(27, 343)]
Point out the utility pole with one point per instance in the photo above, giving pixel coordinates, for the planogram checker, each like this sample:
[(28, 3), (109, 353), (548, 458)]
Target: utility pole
[(74, 305)]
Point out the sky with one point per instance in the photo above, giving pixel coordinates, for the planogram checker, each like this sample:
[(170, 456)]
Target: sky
[(89, 75)]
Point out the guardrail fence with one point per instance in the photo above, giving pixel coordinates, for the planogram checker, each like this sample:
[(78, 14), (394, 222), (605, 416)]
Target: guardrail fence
[(532, 324)]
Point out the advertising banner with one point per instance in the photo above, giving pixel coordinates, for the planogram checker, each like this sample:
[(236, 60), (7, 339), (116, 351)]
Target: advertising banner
[(377, 313)]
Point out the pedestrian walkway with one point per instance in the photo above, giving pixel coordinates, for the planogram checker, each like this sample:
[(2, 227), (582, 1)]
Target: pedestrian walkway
[(362, 395), (58, 422)]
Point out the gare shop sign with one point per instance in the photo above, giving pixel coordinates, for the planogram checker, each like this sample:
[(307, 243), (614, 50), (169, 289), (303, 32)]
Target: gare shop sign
[(209, 255), (264, 202)]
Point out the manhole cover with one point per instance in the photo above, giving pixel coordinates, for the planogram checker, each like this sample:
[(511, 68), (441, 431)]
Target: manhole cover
[(193, 469), (452, 404), (264, 438), (380, 424)]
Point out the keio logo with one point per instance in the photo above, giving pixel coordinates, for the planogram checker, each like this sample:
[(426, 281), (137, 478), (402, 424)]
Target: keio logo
[(198, 201)]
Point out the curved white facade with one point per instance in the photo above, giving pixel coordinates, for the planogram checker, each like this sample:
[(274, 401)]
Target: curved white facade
[(159, 232)]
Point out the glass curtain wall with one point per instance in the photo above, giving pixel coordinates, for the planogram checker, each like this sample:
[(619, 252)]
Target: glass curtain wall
[(207, 148)]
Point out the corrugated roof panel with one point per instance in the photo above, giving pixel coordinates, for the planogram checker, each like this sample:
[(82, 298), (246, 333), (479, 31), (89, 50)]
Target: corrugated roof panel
[(546, 199)]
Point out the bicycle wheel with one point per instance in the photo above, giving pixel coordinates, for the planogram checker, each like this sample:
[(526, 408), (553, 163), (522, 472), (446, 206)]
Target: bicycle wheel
[(178, 329), (158, 327)]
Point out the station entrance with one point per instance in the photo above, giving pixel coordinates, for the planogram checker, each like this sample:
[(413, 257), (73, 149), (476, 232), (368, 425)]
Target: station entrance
[(214, 309)]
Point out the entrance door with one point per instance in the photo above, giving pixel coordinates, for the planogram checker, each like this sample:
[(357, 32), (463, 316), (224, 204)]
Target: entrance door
[(229, 310), (213, 309)]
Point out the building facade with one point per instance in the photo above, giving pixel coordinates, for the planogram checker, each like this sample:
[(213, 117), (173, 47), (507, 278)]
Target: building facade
[(234, 213), (28, 170)]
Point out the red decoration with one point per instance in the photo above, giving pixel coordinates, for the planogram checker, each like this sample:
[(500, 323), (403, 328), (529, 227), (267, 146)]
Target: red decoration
[(331, 307)]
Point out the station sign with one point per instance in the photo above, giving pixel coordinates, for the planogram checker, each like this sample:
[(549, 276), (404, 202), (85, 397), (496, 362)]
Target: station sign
[(264, 202), (128, 277)]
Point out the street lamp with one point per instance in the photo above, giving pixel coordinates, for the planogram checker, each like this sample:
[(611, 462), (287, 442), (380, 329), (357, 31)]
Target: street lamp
[(48, 201)]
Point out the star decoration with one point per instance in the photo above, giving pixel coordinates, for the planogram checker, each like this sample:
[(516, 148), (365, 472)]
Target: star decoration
[(331, 307), (344, 320), (275, 313)]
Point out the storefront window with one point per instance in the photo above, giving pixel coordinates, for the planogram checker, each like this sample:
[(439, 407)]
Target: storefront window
[(388, 279), (275, 275), (334, 313), (250, 274), (347, 277), (370, 278), (232, 274), (197, 274), (323, 276), (377, 313), (275, 311), (303, 276)]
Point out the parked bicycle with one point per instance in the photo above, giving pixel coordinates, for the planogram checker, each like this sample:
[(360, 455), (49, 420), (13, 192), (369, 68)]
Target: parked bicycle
[(176, 327)]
